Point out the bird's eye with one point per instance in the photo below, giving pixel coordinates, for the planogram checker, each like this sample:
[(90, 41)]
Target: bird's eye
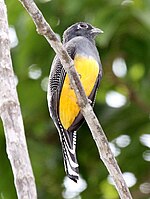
[(82, 26)]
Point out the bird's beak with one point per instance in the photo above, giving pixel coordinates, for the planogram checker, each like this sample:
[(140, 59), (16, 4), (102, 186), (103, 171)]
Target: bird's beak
[(96, 31)]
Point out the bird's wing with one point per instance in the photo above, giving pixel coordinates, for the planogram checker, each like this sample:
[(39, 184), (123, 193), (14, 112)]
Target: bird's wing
[(68, 139), (56, 80)]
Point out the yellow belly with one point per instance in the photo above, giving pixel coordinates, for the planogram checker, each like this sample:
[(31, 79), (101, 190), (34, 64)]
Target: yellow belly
[(87, 69)]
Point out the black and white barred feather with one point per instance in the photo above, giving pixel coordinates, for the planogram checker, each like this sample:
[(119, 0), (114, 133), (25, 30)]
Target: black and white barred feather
[(67, 138)]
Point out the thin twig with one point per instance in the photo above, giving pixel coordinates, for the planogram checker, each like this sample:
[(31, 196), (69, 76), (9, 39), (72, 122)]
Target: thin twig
[(98, 135), (12, 119)]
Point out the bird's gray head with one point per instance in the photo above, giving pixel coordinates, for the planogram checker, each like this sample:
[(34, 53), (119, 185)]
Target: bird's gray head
[(81, 29)]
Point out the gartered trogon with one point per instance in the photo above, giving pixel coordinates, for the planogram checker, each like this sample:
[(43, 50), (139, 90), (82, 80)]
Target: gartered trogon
[(79, 42)]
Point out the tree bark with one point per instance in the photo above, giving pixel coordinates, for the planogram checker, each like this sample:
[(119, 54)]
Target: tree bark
[(12, 119), (98, 134)]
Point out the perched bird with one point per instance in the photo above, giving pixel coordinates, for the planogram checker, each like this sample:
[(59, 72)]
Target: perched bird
[(79, 42)]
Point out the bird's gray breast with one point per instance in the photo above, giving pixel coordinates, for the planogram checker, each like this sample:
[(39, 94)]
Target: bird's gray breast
[(84, 47)]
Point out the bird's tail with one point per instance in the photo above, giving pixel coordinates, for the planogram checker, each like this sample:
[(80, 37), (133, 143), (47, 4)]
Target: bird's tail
[(68, 141)]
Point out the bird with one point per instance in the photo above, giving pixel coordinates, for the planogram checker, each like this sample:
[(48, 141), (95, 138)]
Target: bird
[(79, 42)]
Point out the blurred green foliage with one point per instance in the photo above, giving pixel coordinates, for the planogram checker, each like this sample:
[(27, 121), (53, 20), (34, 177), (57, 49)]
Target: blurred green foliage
[(126, 27)]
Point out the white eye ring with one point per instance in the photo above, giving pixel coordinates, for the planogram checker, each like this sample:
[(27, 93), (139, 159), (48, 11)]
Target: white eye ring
[(82, 26)]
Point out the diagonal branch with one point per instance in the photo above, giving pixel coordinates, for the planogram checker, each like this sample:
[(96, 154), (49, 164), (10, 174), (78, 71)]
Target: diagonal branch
[(12, 119), (97, 132)]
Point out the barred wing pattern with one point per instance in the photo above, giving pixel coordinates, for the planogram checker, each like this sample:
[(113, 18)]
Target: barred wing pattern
[(67, 138)]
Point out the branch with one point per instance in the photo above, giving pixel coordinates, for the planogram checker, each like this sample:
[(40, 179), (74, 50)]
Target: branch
[(12, 119), (106, 155)]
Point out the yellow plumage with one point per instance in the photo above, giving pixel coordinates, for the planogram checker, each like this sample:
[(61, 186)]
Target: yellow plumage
[(88, 70)]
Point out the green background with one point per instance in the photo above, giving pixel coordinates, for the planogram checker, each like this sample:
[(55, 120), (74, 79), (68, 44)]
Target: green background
[(126, 26)]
